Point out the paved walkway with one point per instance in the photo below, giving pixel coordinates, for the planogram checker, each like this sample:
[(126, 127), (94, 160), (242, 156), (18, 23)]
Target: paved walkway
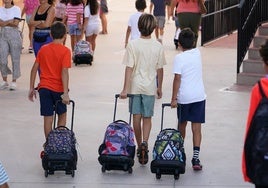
[(93, 89)]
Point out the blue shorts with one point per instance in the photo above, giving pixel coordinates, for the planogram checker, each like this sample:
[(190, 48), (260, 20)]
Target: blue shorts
[(48, 101), (142, 104), (73, 29), (193, 112)]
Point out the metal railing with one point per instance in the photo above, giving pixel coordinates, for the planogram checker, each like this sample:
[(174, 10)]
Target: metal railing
[(252, 13), (221, 19)]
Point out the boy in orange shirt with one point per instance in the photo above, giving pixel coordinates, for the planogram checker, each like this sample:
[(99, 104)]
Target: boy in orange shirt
[(53, 60)]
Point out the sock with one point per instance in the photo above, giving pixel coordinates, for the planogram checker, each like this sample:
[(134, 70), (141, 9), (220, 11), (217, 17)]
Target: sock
[(196, 152)]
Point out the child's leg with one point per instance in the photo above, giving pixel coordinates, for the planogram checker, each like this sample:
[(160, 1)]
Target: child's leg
[(48, 120), (197, 135), (182, 128), (147, 124), (137, 128), (62, 119)]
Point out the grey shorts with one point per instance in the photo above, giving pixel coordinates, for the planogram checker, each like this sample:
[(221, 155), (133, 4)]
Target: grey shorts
[(160, 21), (142, 104)]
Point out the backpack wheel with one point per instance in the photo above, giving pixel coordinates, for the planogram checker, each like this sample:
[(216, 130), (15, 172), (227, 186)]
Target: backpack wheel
[(176, 176), (46, 173), (158, 176), (130, 170), (103, 169), (73, 173)]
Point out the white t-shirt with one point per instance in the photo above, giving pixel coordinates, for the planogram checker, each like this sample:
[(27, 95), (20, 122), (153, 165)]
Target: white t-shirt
[(9, 13), (133, 24), (92, 19), (145, 56), (188, 64)]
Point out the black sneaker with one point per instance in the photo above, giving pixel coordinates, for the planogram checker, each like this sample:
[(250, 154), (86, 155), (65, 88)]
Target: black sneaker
[(196, 164), (143, 156), (138, 152)]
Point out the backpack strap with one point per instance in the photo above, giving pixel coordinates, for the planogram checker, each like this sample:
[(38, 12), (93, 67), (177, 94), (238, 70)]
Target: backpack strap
[(261, 89)]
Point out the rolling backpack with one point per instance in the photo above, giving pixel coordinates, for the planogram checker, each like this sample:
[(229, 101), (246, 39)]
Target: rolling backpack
[(256, 144), (117, 150), (82, 53), (168, 152)]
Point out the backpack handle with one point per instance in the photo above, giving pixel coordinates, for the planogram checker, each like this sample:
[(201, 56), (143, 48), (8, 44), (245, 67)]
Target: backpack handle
[(55, 114), (115, 105), (162, 116)]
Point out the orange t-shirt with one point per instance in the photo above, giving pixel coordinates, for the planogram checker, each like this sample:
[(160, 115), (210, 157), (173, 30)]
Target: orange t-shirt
[(191, 6), (254, 102), (52, 58)]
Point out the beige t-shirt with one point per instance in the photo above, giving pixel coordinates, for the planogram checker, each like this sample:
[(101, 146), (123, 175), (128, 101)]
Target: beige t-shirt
[(145, 56)]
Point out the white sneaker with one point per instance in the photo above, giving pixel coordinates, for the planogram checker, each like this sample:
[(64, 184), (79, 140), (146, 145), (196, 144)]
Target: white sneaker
[(13, 86), (3, 85)]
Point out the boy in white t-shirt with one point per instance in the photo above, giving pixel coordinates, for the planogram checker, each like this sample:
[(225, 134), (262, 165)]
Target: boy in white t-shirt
[(132, 28), (188, 94)]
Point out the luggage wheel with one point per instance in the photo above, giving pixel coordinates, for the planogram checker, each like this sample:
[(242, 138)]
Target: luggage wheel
[(73, 173), (158, 174), (103, 169), (46, 173), (176, 175), (130, 170)]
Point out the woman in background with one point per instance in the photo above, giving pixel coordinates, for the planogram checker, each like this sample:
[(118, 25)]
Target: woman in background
[(10, 43)]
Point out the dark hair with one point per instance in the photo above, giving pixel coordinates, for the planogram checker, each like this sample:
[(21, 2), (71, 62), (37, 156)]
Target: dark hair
[(93, 6), (51, 2), (75, 2), (146, 24), (264, 52), (187, 38), (140, 5), (58, 30), (64, 1)]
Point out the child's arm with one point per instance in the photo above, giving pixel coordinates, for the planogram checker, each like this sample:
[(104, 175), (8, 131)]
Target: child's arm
[(151, 7), (160, 74), (127, 35), (128, 73), (175, 90), (32, 93), (65, 83)]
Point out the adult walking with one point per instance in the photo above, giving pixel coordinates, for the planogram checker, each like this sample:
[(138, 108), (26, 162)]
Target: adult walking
[(188, 13), (10, 43), (28, 9), (42, 19)]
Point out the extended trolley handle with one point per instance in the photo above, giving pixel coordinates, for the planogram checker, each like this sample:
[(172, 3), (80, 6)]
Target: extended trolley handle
[(115, 105), (55, 115)]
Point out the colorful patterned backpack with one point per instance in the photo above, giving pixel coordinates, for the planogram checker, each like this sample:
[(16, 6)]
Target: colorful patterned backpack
[(60, 141), (119, 139), (169, 146)]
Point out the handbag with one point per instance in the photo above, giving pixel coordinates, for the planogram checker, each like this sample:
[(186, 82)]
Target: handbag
[(203, 9)]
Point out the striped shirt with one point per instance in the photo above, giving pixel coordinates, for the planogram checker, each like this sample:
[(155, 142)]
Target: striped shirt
[(3, 175), (72, 11)]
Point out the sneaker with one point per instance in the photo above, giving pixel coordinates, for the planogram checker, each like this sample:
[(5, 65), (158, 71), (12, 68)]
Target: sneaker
[(30, 50), (3, 85), (143, 156), (138, 152), (196, 164), (13, 86)]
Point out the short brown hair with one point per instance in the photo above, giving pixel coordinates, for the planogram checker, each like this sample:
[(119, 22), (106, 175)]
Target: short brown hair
[(146, 24)]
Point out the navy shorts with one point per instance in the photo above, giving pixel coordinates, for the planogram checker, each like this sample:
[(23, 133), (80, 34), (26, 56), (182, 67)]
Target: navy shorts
[(48, 101), (193, 112)]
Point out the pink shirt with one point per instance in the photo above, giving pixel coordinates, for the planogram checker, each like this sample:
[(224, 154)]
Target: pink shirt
[(191, 6), (71, 12), (30, 5)]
